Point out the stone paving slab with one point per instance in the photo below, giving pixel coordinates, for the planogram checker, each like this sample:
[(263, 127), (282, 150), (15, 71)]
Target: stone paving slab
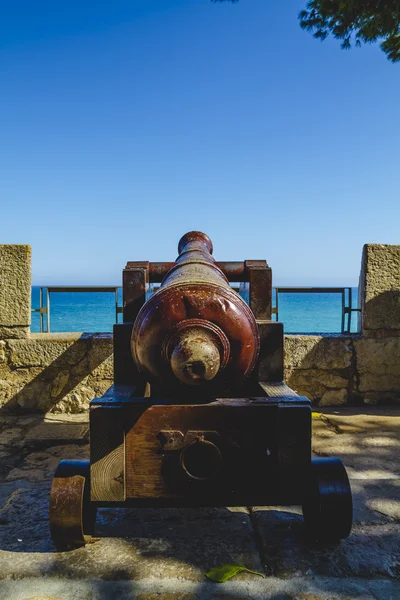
[(208, 537), (363, 419), (270, 588), (367, 440), (375, 501), (39, 465), (132, 549), (370, 551), (55, 431), (145, 552)]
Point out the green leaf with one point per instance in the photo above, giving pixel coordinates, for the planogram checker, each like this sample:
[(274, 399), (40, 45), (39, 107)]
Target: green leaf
[(221, 574)]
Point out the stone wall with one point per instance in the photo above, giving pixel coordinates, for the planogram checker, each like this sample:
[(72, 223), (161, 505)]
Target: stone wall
[(54, 372), (333, 370), (15, 290), (322, 368), (63, 372), (362, 368)]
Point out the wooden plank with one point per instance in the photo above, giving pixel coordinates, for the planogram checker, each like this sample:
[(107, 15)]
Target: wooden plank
[(269, 365), (294, 447), (234, 271), (260, 283), (121, 391), (245, 427), (107, 463), (125, 370), (134, 290), (275, 389)]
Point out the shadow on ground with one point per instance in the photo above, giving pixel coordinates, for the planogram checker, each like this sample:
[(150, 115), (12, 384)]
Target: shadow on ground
[(182, 544)]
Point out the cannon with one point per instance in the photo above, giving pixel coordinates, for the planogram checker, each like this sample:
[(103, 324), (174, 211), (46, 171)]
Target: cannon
[(199, 414)]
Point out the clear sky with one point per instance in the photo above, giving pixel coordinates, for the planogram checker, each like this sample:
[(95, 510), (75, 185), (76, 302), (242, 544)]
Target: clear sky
[(125, 124)]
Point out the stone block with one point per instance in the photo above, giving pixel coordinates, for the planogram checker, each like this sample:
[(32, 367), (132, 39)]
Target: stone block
[(378, 364), (314, 383), (19, 387), (379, 288), (21, 377), (100, 356), (3, 354), (315, 351), (374, 398), (59, 383), (76, 401), (16, 332), (43, 350), (15, 289), (7, 392), (333, 398), (57, 372)]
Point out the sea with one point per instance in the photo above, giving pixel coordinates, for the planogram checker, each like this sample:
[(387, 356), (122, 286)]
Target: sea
[(95, 311)]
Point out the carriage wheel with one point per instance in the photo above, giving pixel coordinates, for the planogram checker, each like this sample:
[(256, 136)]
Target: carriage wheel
[(72, 516), (328, 506)]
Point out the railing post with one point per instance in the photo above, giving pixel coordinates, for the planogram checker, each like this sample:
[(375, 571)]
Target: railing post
[(47, 310), (116, 305), (343, 311), (350, 306), (40, 309)]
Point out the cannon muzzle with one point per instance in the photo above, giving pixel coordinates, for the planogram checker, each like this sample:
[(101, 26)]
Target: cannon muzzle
[(195, 330)]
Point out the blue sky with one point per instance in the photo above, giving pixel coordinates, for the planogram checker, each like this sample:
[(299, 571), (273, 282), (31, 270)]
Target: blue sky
[(125, 124)]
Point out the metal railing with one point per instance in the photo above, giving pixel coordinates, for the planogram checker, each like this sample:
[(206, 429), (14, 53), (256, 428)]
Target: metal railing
[(345, 292), (347, 307), (44, 309)]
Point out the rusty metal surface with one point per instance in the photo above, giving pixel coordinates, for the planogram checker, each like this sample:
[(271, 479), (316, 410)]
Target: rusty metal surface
[(71, 514), (196, 308), (171, 440), (233, 270), (196, 349)]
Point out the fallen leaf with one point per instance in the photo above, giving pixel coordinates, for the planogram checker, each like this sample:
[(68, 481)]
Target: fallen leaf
[(221, 574)]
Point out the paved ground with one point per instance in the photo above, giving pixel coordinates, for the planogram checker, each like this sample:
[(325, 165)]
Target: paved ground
[(147, 554)]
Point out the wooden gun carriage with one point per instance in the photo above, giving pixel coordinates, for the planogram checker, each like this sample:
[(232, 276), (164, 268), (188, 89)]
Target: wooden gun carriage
[(199, 414)]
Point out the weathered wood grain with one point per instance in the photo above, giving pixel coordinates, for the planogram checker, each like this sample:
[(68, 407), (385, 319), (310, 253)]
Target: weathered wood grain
[(276, 389), (107, 449), (247, 430)]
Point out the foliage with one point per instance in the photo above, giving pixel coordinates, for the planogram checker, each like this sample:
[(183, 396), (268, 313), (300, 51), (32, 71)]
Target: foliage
[(354, 22), (225, 572)]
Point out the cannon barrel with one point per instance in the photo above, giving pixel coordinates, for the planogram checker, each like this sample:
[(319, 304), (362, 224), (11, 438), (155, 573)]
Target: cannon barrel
[(195, 330)]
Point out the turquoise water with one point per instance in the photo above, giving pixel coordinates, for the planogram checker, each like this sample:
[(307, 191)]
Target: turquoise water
[(95, 311)]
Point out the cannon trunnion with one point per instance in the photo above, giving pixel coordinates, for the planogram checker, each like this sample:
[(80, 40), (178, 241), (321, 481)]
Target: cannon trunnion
[(199, 414)]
